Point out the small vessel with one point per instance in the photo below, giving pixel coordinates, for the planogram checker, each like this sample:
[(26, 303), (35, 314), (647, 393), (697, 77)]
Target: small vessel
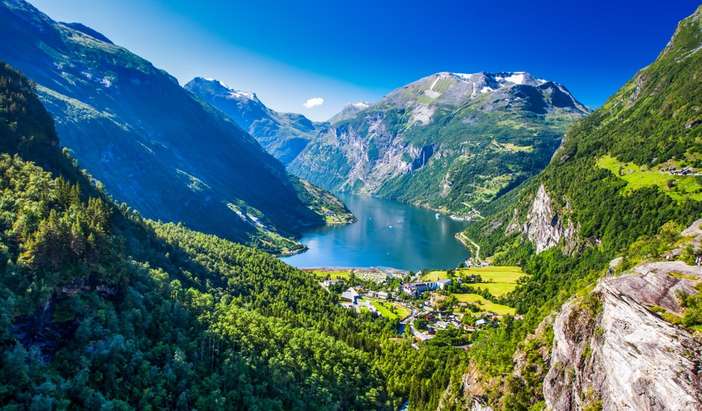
[(436, 216)]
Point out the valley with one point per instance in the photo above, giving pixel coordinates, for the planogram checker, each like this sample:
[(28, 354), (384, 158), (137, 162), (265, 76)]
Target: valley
[(466, 240)]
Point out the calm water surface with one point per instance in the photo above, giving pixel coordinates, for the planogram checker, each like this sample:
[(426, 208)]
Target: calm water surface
[(387, 234)]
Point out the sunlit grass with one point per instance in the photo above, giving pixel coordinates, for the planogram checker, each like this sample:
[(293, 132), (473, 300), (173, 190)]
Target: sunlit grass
[(678, 188), (496, 289), (499, 280), (331, 274), (389, 309), (485, 304)]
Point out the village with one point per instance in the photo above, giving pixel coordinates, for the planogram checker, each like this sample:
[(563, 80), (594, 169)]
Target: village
[(429, 303)]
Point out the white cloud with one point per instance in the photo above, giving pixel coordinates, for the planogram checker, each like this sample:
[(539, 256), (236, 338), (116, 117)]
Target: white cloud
[(314, 102)]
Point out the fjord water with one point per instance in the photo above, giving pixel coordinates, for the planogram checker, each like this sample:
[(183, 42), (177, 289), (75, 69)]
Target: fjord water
[(387, 234)]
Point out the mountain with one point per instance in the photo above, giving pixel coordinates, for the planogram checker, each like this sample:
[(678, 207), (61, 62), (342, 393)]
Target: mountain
[(349, 112), (102, 309), (610, 235), (626, 169), (283, 135), (148, 140), (450, 141)]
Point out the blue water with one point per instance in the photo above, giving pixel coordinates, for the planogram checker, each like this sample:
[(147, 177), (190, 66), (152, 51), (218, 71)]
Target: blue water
[(387, 234)]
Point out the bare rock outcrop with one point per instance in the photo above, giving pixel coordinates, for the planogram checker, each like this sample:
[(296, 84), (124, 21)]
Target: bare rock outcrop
[(611, 351), (545, 227)]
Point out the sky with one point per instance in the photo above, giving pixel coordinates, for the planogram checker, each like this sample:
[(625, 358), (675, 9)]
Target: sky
[(314, 57)]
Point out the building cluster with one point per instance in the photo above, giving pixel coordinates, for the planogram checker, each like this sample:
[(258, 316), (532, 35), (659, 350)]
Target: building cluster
[(352, 298), (432, 315), (417, 289), (685, 171)]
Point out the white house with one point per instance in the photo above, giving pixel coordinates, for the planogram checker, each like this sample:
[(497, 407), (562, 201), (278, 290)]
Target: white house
[(351, 295)]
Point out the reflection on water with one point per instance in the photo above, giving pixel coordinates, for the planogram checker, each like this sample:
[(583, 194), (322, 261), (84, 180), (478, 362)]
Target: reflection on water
[(387, 234)]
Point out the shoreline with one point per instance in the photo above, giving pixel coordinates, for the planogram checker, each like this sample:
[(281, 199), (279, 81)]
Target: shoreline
[(372, 268), (468, 243)]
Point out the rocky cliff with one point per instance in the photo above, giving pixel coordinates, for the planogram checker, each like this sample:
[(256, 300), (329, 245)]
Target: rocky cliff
[(619, 353), (546, 226)]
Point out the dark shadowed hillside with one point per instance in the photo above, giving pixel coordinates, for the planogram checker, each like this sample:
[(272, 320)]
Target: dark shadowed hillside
[(149, 141)]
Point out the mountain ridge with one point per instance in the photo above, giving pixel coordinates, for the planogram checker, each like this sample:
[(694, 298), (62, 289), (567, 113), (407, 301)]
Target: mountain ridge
[(149, 141), (283, 135), (605, 231), (452, 142)]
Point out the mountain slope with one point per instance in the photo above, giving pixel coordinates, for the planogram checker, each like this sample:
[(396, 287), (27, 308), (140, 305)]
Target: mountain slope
[(450, 141), (101, 309), (626, 169), (283, 135), (349, 112), (613, 293), (143, 136)]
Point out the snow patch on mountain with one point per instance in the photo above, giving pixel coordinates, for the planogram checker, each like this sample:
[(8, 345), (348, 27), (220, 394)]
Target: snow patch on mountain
[(242, 94)]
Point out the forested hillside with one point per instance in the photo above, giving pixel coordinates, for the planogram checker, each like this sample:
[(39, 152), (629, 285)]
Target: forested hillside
[(103, 309), (151, 144), (625, 182)]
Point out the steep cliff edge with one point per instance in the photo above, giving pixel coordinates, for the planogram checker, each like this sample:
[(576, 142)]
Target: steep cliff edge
[(545, 225), (618, 353)]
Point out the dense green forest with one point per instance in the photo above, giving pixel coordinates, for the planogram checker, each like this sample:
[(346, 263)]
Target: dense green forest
[(655, 122), (103, 309)]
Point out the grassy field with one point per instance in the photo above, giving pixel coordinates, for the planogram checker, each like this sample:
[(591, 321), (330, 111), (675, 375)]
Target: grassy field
[(496, 273), (485, 304), (678, 188), (496, 289), (434, 275), (499, 280), (390, 310), (331, 274)]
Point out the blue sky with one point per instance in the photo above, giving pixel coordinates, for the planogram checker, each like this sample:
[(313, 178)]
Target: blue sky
[(348, 51)]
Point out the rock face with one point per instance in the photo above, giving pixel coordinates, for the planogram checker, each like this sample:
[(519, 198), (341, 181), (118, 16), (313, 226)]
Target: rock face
[(449, 141), (544, 226), (283, 135), (615, 353)]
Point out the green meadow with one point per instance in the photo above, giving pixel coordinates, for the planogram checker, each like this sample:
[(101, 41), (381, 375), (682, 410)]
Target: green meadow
[(679, 188)]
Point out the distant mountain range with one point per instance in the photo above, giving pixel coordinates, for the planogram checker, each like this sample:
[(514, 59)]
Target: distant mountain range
[(450, 141), (148, 140), (283, 135), (349, 111)]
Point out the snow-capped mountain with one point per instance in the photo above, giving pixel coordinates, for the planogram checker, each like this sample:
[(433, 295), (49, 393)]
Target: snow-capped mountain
[(455, 89), (448, 141)]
